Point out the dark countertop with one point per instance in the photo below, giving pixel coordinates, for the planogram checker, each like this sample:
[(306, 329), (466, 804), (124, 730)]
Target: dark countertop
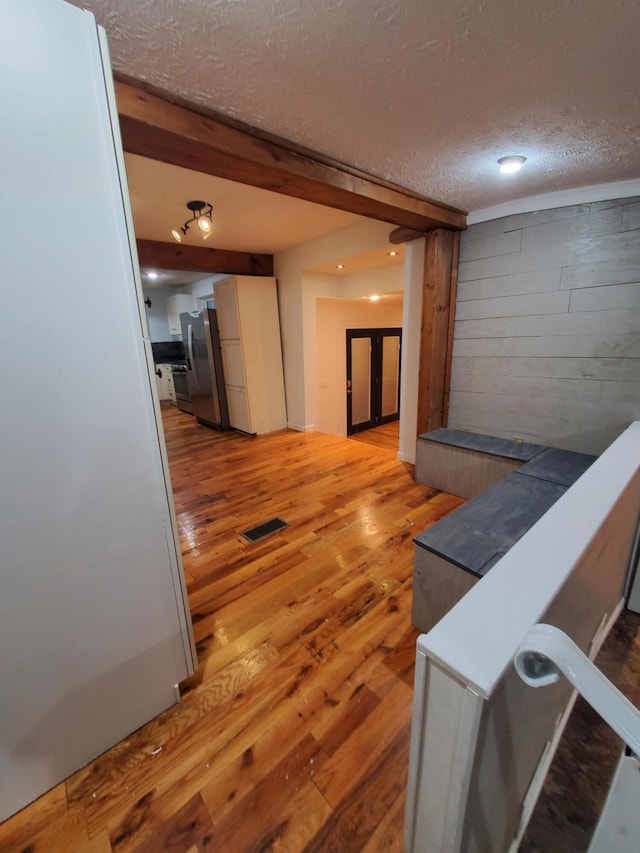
[(518, 450), (478, 534), (558, 466)]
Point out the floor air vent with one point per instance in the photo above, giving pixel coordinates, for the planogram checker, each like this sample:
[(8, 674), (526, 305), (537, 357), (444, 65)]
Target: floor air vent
[(267, 528)]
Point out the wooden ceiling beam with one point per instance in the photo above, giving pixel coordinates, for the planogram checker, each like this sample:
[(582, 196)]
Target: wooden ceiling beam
[(155, 127), (404, 235), (177, 256)]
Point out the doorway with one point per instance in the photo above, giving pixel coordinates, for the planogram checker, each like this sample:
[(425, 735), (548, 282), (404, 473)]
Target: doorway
[(373, 377)]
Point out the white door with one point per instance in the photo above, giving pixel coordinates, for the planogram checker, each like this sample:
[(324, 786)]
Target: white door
[(94, 629)]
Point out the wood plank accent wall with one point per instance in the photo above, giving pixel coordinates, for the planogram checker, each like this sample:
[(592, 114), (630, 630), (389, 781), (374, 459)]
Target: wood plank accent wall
[(453, 295), (197, 139), (176, 256), (438, 301), (547, 331)]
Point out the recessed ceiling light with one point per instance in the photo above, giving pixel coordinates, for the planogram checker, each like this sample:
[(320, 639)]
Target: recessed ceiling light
[(511, 164), (392, 254), (374, 298), (152, 275), (339, 266)]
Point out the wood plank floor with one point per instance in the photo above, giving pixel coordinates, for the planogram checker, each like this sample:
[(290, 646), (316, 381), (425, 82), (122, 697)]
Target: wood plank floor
[(386, 436), (293, 734)]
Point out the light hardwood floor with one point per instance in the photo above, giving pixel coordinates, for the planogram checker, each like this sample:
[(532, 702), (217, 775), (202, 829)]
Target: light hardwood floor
[(386, 436), (293, 734)]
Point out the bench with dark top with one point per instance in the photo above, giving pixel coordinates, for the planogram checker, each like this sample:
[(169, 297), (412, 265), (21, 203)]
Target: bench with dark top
[(466, 463), (554, 465), (452, 555)]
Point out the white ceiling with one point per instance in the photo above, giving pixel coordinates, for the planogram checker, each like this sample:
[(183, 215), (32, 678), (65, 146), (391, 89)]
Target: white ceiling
[(155, 279), (245, 219), (425, 93)]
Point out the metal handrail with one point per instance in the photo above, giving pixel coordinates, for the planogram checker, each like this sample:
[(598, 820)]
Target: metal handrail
[(546, 652)]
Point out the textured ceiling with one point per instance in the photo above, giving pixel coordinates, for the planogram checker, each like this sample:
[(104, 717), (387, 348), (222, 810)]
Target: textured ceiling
[(425, 93)]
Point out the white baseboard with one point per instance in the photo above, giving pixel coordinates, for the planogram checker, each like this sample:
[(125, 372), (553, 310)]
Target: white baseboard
[(301, 428)]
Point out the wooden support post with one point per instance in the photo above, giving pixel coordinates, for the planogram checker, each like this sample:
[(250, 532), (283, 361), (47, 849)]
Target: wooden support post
[(438, 306)]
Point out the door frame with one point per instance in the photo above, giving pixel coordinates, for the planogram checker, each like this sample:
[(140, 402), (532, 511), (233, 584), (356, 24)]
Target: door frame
[(158, 125), (377, 418)]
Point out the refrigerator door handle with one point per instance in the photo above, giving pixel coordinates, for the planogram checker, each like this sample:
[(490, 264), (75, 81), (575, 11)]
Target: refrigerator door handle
[(190, 352)]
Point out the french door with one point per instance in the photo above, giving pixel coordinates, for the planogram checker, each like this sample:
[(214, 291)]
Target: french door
[(373, 377)]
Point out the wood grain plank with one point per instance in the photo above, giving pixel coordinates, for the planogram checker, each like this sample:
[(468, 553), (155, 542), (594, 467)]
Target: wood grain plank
[(60, 835), (361, 813), (188, 826), (341, 773), (20, 830), (453, 301), (389, 833), (268, 811), (338, 727), (288, 642), (219, 729)]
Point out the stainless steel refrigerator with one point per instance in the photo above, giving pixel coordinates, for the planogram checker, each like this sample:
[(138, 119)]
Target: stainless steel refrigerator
[(205, 377)]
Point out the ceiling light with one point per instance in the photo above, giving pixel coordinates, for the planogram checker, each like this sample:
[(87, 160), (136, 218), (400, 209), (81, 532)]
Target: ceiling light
[(151, 275), (511, 164), (374, 298), (392, 254), (202, 212), (339, 266)]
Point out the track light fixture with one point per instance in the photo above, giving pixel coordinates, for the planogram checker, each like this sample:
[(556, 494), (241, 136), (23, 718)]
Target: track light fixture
[(202, 212)]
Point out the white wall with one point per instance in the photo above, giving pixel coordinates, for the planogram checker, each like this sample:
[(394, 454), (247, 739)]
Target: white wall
[(203, 288), (334, 317), (157, 315), (547, 332), (298, 289)]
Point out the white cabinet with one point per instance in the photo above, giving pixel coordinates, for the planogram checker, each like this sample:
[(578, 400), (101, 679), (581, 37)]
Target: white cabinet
[(176, 305), (238, 406), (164, 381), (171, 391), (249, 325)]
